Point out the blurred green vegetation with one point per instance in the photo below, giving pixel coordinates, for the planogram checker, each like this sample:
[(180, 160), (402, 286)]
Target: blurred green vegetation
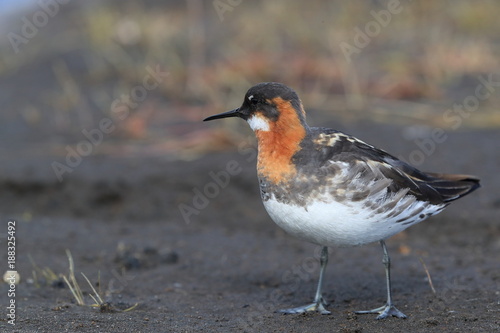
[(428, 56)]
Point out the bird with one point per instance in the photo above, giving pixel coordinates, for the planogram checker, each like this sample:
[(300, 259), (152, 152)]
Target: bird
[(331, 189)]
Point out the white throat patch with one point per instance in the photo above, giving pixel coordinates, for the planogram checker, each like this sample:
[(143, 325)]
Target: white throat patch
[(258, 123)]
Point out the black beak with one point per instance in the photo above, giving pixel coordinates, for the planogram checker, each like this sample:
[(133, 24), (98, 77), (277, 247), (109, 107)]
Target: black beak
[(232, 113)]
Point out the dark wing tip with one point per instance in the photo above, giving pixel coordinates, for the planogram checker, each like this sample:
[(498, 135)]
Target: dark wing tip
[(452, 187)]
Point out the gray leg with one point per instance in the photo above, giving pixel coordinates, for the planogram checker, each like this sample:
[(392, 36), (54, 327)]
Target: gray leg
[(388, 309), (319, 302)]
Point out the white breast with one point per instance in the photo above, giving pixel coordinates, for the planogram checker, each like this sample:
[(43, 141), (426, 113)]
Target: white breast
[(331, 223)]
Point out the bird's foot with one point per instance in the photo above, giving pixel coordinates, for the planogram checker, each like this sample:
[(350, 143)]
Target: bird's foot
[(317, 306), (385, 311)]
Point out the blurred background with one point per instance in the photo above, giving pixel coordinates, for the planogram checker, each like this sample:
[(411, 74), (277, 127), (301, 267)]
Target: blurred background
[(103, 150), (64, 64)]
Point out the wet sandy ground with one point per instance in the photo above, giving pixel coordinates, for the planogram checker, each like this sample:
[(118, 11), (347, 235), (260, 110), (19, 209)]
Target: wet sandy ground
[(229, 268)]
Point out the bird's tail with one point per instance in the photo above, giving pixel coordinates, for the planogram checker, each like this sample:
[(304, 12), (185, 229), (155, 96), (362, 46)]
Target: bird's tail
[(452, 187)]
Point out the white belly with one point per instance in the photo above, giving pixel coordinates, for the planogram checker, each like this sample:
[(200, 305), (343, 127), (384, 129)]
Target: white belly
[(338, 224)]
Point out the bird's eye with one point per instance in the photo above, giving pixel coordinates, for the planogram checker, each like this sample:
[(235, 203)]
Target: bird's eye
[(252, 100)]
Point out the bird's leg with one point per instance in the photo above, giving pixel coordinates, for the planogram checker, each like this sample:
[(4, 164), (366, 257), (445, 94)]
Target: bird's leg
[(319, 302), (388, 309)]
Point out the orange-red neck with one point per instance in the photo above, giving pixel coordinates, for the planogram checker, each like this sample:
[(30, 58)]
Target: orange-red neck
[(278, 145)]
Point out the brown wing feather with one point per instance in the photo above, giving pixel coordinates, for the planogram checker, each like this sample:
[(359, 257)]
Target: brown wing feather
[(435, 188)]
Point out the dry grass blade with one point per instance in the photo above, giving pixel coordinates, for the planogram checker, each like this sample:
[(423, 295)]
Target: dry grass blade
[(45, 273), (79, 299), (74, 287), (99, 300), (131, 308), (428, 275), (71, 281)]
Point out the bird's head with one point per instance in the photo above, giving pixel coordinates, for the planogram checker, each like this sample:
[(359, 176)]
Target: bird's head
[(269, 106)]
